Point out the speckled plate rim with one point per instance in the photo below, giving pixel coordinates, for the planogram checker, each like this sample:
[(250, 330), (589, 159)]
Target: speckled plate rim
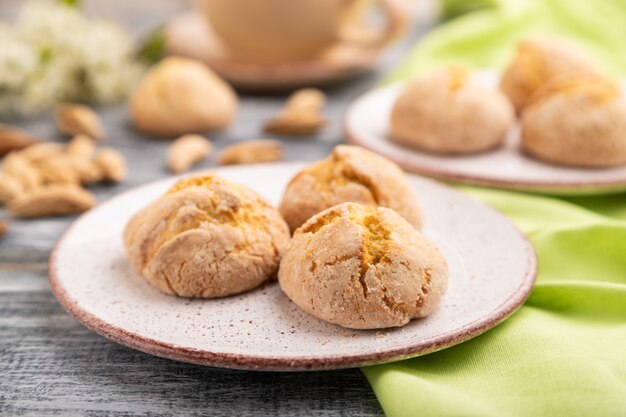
[(278, 363), (572, 188)]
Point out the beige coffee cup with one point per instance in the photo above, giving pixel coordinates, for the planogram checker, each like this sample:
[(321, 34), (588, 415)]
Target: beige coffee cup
[(269, 31)]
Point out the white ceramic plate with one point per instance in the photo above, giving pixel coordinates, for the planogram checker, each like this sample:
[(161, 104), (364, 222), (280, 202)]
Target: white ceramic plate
[(367, 124), (492, 270)]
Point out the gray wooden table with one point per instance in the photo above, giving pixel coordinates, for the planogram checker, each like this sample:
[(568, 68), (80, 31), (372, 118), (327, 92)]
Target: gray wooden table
[(51, 365)]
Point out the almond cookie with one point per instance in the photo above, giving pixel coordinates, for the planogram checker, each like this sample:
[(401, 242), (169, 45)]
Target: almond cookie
[(206, 237), (180, 95), (577, 120), (352, 174), (363, 268), (537, 61), (448, 112)]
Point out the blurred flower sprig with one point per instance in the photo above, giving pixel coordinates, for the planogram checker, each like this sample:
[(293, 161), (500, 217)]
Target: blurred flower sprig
[(455, 8), (152, 48), (53, 53)]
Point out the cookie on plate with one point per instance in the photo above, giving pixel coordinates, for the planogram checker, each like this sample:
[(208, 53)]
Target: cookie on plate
[(577, 120), (537, 61), (363, 268), (206, 237), (449, 112), (349, 173)]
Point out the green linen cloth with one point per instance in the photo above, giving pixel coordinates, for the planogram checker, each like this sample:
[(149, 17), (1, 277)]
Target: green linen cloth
[(564, 352), (486, 38)]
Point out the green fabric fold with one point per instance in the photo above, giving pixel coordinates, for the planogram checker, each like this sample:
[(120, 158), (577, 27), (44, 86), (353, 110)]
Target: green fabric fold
[(564, 352), (485, 39)]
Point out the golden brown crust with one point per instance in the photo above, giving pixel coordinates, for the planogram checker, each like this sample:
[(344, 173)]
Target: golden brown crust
[(352, 174), (363, 268), (576, 120), (537, 61), (206, 237), (448, 112)]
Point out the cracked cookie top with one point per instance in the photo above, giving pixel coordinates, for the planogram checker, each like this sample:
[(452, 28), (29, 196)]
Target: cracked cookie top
[(206, 237), (363, 267), (349, 174)]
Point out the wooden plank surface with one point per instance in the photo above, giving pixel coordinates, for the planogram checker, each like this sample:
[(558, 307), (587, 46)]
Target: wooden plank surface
[(51, 365)]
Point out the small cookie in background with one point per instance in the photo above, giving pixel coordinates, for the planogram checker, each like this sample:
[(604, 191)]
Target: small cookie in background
[(363, 268), (349, 174), (206, 237), (180, 95), (449, 112), (576, 120), (536, 61)]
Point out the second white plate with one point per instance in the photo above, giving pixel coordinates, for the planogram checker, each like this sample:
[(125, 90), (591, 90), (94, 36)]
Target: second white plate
[(367, 124)]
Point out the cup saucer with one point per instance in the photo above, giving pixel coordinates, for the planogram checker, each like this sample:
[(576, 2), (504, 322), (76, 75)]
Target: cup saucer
[(190, 35)]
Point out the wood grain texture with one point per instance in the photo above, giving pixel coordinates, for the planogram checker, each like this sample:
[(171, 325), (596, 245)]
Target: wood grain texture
[(51, 365)]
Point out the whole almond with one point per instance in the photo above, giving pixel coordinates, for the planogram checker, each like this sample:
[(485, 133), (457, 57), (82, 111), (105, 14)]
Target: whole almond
[(302, 114), (52, 200), (43, 150), (84, 170), (112, 164), (58, 171), (12, 139), (9, 188), (186, 151), (81, 145), (253, 151), (19, 168), (306, 99), (73, 119), (87, 170), (295, 122)]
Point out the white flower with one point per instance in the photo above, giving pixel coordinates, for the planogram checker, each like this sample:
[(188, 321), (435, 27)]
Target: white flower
[(54, 53)]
